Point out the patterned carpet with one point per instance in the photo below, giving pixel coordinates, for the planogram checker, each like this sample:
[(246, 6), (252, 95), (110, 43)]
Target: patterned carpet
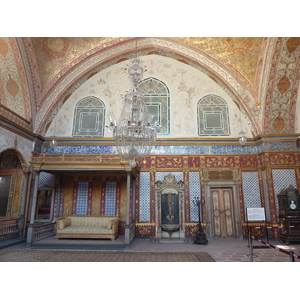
[(11, 255)]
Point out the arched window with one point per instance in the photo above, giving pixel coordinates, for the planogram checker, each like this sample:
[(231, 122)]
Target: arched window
[(213, 116), (89, 118), (157, 101)]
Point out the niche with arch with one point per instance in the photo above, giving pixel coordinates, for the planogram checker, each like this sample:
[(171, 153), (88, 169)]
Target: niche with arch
[(11, 183), (170, 208)]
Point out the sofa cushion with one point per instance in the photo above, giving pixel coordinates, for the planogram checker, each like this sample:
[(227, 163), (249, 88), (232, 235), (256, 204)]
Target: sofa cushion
[(63, 222), (85, 229), (88, 221)]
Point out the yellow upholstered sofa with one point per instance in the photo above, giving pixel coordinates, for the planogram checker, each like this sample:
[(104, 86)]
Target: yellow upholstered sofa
[(102, 227)]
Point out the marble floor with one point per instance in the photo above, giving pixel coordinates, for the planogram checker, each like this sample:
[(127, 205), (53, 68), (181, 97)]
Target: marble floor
[(226, 250)]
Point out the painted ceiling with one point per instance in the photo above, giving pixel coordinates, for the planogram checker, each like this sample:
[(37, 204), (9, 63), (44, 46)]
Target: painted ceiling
[(261, 73), (54, 53)]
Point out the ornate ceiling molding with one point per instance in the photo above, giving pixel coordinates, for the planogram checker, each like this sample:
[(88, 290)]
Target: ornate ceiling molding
[(14, 86), (283, 85), (28, 59)]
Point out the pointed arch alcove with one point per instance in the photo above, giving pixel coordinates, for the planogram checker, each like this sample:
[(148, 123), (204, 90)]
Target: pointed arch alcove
[(170, 221)]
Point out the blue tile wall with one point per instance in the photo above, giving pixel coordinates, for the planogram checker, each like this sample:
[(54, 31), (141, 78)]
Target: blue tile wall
[(82, 198), (177, 150), (145, 197), (194, 184), (110, 198), (265, 190), (281, 180), (251, 189)]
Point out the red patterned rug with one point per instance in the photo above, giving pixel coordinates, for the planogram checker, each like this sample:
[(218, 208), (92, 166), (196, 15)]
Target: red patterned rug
[(14, 255)]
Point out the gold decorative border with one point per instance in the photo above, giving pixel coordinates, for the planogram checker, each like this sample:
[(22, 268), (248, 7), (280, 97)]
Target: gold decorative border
[(13, 118)]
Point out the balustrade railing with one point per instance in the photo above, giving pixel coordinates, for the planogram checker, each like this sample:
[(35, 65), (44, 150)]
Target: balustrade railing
[(43, 230), (9, 228)]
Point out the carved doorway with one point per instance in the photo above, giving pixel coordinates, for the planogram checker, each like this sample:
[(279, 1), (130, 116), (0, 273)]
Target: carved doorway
[(223, 223)]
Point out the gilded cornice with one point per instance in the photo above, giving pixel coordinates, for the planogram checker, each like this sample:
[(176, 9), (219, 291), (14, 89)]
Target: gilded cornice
[(87, 162), (13, 118)]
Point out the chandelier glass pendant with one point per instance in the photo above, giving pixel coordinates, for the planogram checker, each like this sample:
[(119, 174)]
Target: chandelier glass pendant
[(135, 132), (53, 142), (242, 138)]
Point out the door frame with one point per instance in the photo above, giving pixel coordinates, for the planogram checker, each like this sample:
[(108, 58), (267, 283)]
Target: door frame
[(236, 207)]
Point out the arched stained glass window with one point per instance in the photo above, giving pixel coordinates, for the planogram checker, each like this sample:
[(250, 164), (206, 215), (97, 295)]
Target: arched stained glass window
[(213, 116), (158, 102), (89, 118)]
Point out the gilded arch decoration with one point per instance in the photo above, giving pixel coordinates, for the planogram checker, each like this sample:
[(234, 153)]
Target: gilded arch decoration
[(68, 82), (282, 89)]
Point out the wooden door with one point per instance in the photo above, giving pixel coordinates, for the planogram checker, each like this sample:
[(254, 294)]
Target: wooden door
[(222, 213)]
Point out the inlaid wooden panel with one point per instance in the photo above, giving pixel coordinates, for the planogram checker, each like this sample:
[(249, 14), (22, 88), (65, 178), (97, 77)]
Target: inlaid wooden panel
[(222, 212), (123, 198), (68, 197), (17, 192), (96, 197)]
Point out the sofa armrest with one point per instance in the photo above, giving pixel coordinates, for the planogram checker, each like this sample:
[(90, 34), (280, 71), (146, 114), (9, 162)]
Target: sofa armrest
[(115, 225), (61, 223)]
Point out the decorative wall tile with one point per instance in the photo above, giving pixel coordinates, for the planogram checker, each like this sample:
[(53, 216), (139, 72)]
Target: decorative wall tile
[(214, 161), (195, 191), (110, 198), (92, 149), (266, 196), (282, 159), (282, 178), (249, 161), (46, 180), (251, 189), (82, 198), (176, 150), (169, 162), (145, 197)]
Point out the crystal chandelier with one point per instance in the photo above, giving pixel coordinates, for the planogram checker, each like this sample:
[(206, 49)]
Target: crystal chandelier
[(135, 132)]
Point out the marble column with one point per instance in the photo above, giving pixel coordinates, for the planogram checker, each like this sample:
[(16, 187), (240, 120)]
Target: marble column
[(30, 232)]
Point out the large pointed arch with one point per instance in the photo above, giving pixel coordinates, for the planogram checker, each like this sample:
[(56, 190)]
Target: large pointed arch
[(219, 71)]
